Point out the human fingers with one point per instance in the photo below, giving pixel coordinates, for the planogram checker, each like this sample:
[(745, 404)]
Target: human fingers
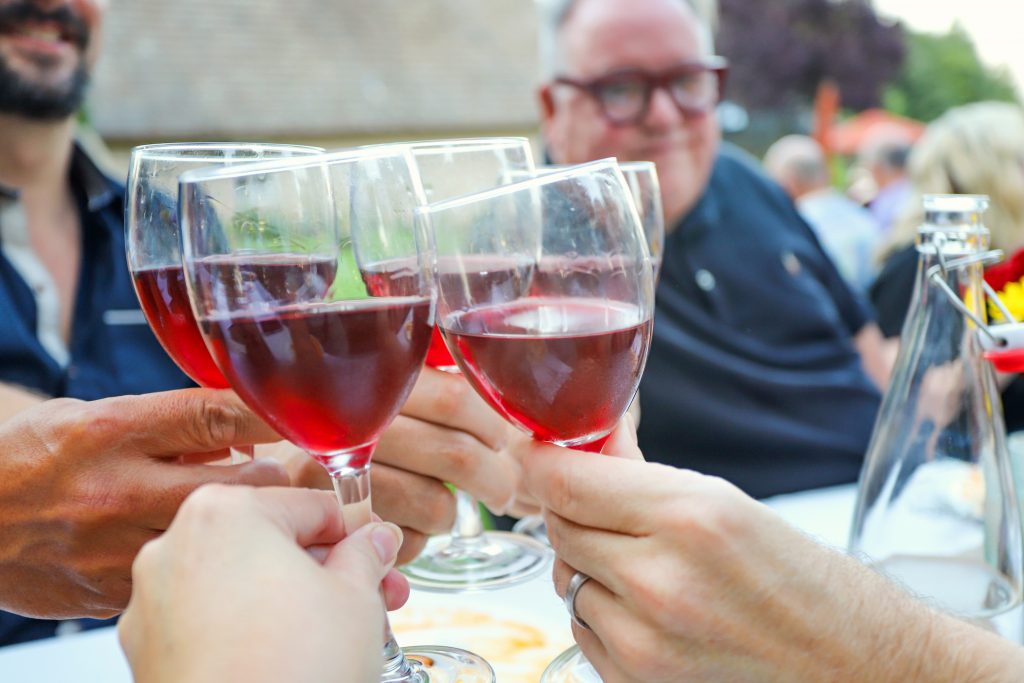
[(367, 555), (602, 555), (412, 500), (606, 493), (450, 455), (524, 504), (594, 604), (303, 470), (174, 423), (307, 516), (163, 486), (597, 654), (620, 645), (413, 543), (623, 442), (396, 589), (448, 400)]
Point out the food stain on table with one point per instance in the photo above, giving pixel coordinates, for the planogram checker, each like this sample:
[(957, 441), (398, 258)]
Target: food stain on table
[(518, 651)]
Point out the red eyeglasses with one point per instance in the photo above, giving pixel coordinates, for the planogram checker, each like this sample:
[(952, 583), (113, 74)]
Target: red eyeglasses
[(625, 96)]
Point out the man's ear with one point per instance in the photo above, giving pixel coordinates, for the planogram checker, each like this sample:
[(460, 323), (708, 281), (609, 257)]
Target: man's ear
[(547, 102)]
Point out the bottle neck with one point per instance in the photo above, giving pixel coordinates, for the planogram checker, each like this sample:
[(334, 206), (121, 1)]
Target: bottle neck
[(940, 254)]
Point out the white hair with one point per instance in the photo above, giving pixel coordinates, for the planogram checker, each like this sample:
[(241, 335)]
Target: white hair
[(554, 13)]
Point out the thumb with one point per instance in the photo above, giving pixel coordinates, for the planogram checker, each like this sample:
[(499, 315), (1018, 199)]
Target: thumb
[(188, 421), (622, 443), (366, 555)]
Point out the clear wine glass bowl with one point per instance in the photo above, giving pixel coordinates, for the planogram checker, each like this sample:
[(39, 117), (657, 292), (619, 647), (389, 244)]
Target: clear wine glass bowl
[(469, 558), (642, 178), (285, 262), (558, 343), (152, 244)]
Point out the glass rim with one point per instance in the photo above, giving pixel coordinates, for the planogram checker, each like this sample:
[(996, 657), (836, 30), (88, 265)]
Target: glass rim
[(164, 151), (634, 166), (519, 186), (268, 166), (955, 202), (500, 141)]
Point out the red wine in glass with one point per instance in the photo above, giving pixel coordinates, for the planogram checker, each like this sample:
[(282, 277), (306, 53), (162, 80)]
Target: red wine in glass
[(490, 279), (165, 303), (328, 377), (164, 300), (565, 369)]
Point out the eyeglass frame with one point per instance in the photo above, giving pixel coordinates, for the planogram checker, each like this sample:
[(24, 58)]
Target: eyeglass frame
[(719, 66)]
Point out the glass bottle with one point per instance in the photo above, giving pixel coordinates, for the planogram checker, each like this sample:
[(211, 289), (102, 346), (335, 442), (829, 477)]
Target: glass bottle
[(936, 507)]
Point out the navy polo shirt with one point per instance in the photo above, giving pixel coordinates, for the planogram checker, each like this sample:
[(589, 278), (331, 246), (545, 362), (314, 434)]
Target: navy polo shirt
[(111, 352), (753, 375)]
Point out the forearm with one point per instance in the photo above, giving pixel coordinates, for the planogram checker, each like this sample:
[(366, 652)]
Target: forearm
[(964, 653), (14, 399), (877, 354), (884, 635)]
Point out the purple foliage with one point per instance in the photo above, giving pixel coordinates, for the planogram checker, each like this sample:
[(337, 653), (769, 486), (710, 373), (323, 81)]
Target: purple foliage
[(780, 50)]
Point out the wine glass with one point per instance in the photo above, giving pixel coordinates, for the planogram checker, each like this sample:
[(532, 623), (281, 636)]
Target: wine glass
[(277, 257), (154, 257), (468, 558), (560, 348), (642, 178)]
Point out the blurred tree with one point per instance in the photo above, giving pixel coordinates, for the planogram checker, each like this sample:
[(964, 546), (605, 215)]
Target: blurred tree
[(943, 71), (781, 50)]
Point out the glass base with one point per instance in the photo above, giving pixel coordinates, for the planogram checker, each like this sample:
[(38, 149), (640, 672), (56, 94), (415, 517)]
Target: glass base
[(534, 527), (439, 664), (495, 560), (570, 667)]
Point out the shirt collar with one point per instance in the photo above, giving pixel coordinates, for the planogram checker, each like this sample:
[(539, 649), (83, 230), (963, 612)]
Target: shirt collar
[(98, 188)]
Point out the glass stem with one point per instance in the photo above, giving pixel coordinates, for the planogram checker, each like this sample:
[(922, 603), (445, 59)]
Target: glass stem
[(352, 485), (469, 527)]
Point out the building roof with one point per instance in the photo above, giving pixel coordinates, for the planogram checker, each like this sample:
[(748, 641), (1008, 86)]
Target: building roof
[(313, 67)]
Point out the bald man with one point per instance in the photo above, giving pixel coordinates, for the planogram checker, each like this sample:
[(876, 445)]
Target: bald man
[(764, 366)]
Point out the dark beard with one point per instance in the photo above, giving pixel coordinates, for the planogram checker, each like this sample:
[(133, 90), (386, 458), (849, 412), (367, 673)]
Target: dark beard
[(21, 96)]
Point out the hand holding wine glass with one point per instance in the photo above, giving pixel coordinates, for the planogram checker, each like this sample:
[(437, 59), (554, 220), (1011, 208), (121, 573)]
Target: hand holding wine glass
[(199, 579), (468, 558), (755, 591), (444, 433), (559, 347), (154, 255), (278, 256), (86, 483)]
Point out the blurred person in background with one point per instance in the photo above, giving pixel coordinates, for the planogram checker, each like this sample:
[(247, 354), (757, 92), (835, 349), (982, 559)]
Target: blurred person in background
[(973, 149), (846, 230), (764, 367), (884, 155), (71, 326)]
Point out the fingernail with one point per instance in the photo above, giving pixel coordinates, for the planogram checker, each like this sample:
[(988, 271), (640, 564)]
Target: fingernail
[(386, 539)]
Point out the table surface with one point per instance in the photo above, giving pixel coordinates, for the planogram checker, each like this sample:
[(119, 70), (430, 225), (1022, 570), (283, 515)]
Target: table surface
[(519, 630)]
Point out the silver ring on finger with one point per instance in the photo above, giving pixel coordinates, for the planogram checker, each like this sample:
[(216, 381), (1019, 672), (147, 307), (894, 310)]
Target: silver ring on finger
[(575, 583)]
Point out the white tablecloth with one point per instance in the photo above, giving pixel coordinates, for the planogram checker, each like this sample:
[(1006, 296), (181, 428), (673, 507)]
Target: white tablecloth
[(518, 629)]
